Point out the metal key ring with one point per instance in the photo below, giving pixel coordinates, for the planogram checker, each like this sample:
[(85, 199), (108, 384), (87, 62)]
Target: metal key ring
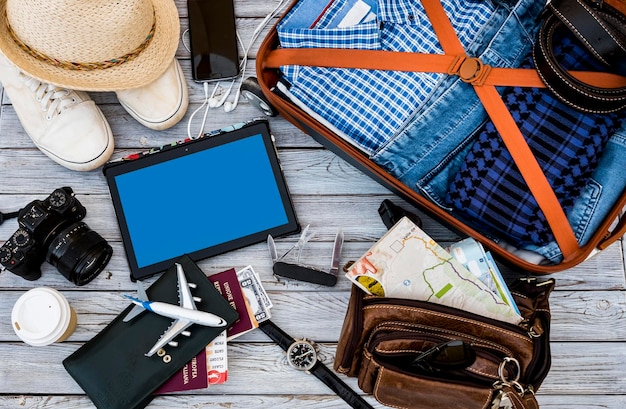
[(518, 373)]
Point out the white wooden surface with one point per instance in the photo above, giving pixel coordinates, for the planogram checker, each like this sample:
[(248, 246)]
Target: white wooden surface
[(588, 327)]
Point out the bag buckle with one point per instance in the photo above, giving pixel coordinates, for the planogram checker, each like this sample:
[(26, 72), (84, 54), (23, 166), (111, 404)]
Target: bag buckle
[(470, 69)]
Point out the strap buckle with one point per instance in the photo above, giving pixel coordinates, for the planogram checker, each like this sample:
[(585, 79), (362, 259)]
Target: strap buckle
[(470, 69)]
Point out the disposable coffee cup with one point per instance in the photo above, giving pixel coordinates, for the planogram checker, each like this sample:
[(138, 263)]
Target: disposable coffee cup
[(43, 316)]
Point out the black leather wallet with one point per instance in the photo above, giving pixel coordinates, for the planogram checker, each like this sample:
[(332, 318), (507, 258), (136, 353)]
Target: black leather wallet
[(111, 367)]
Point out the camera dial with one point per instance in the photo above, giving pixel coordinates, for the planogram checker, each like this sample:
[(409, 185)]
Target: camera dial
[(5, 254), (21, 238), (20, 256), (58, 198)]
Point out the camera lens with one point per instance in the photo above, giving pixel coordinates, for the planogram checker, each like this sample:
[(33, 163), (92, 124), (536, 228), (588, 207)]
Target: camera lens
[(78, 252)]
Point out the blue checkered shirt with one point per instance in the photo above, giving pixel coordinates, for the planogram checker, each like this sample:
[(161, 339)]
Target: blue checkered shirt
[(371, 106)]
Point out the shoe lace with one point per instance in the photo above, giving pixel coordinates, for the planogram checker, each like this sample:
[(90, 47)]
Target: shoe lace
[(53, 99)]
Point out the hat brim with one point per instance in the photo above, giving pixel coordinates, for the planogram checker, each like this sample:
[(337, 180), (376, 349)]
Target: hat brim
[(148, 66)]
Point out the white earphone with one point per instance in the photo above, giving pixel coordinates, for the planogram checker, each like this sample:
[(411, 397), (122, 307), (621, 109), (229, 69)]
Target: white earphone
[(215, 102), (230, 106)]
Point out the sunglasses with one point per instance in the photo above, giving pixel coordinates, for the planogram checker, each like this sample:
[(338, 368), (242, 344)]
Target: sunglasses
[(450, 355)]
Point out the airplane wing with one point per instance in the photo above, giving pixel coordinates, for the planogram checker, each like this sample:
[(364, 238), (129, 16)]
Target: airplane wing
[(137, 309), (185, 300), (184, 292), (172, 332)]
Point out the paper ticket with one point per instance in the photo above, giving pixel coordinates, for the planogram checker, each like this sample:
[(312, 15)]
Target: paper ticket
[(217, 360)]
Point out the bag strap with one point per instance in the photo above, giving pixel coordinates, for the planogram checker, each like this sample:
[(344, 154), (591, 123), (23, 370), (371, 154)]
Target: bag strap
[(509, 131), (483, 78), (420, 62)]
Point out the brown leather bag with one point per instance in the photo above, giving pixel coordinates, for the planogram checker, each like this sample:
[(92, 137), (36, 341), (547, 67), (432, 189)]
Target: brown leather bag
[(416, 354)]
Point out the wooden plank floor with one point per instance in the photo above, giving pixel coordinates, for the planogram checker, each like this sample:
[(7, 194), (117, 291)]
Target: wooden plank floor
[(588, 328)]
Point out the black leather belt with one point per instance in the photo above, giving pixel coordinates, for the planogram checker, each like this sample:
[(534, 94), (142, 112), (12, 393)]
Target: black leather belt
[(602, 30)]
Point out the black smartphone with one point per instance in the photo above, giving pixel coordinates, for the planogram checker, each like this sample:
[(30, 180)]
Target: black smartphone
[(213, 39)]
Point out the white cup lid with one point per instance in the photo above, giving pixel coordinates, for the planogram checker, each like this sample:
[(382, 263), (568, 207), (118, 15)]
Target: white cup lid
[(40, 316)]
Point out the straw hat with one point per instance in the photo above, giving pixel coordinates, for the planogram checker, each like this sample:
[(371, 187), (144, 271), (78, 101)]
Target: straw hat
[(91, 45)]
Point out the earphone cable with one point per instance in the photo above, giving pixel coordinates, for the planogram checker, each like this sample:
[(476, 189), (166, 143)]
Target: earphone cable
[(244, 61), (206, 111)]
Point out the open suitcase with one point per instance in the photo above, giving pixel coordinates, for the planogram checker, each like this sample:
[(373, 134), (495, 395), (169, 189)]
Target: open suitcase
[(460, 72)]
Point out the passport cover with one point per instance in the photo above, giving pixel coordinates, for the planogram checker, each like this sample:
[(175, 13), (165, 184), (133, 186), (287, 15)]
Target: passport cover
[(193, 375), (228, 285), (112, 368)]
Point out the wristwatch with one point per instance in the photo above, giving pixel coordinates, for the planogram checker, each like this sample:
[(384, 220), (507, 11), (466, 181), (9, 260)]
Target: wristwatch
[(302, 355)]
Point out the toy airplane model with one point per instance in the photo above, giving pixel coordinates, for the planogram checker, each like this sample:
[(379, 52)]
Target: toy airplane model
[(184, 314)]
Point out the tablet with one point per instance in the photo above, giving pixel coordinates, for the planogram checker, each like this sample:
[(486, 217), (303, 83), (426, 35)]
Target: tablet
[(200, 197)]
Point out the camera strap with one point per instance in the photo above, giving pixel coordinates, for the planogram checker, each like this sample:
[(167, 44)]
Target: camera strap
[(5, 216)]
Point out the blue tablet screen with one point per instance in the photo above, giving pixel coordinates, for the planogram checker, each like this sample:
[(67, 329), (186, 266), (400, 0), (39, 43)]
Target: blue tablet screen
[(172, 208)]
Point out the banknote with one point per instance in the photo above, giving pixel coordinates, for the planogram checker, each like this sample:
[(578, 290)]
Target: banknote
[(473, 256), (253, 294), (248, 272)]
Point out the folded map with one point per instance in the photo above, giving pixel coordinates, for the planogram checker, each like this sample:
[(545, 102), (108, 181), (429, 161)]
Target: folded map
[(407, 263)]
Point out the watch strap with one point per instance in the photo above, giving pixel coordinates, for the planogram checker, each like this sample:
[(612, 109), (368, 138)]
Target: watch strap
[(320, 371), (326, 375), (277, 335)]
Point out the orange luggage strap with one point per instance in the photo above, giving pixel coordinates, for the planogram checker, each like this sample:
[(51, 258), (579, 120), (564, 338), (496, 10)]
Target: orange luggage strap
[(484, 80)]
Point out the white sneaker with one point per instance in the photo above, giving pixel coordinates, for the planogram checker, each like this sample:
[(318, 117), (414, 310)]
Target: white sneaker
[(64, 124), (160, 104)]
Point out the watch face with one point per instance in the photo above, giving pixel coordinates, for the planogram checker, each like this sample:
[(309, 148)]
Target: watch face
[(302, 355)]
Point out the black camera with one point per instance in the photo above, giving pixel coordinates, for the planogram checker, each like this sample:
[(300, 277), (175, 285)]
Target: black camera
[(51, 230)]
